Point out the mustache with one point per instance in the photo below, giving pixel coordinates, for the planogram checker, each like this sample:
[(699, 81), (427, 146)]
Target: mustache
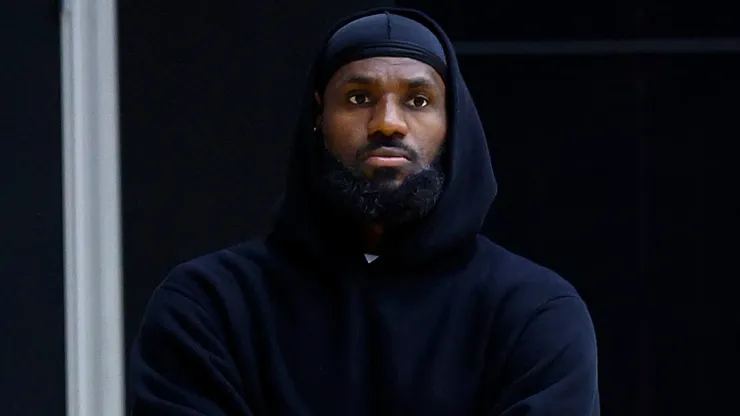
[(384, 142)]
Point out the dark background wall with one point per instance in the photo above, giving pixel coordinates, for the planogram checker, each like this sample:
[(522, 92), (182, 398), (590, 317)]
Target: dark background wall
[(31, 257), (616, 169)]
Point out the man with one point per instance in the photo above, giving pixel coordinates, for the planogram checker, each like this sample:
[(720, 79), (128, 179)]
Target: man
[(374, 294)]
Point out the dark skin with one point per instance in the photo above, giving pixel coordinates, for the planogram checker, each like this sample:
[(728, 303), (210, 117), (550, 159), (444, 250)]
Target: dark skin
[(379, 98)]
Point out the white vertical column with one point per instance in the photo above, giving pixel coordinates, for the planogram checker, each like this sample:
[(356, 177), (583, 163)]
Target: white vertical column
[(92, 240)]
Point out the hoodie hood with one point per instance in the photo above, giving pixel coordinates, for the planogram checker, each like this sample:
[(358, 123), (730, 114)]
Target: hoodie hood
[(468, 193)]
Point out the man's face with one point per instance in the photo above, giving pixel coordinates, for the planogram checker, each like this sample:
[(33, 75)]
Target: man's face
[(384, 118)]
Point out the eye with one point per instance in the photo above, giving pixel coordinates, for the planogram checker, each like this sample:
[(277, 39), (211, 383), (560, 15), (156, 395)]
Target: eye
[(418, 102), (358, 99)]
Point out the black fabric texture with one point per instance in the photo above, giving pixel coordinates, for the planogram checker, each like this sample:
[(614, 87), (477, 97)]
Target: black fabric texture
[(381, 34)]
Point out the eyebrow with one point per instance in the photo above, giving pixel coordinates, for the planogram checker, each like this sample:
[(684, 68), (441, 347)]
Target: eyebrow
[(412, 83), (421, 82), (358, 79)]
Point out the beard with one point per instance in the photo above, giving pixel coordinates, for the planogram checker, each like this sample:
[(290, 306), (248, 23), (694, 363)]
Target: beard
[(381, 199)]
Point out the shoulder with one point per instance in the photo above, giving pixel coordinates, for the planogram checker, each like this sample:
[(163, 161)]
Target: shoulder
[(216, 278), (207, 297), (513, 275), (521, 290), (543, 344)]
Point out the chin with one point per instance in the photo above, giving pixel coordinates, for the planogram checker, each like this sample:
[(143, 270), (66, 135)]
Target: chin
[(390, 185), (390, 177)]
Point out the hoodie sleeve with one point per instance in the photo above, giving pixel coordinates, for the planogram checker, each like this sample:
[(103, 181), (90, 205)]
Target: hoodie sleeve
[(552, 369), (179, 364)]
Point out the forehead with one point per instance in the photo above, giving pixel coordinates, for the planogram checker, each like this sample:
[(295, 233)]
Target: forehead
[(386, 70)]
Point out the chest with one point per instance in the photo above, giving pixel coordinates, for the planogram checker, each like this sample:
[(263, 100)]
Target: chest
[(356, 346)]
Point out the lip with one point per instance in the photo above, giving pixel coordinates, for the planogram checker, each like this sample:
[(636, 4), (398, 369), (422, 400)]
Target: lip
[(388, 153), (387, 157)]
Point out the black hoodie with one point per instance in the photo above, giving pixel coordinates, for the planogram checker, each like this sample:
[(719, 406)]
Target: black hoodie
[(444, 322)]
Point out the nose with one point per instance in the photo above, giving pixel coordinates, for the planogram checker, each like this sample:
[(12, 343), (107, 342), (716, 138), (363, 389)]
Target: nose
[(388, 118)]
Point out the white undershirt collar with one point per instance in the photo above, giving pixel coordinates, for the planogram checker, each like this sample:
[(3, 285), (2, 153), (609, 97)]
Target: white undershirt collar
[(370, 257)]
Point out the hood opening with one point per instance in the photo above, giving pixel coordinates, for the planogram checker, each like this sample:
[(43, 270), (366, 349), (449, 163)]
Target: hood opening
[(454, 222)]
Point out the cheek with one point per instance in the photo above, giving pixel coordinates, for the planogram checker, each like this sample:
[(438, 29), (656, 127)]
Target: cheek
[(432, 134), (344, 135)]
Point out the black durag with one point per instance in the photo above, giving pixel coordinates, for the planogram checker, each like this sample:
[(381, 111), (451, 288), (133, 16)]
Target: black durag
[(346, 189)]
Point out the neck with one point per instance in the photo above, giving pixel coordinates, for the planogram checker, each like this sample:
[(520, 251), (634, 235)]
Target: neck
[(373, 236)]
